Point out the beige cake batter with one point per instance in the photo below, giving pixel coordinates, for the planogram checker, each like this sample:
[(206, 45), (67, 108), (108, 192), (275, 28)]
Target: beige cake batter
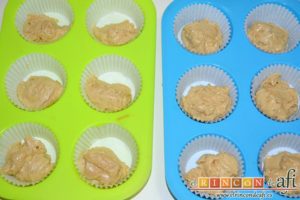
[(207, 103), (278, 165), (41, 28), (276, 98), (102, 167), (268, 37), (107, 97), (220, 165), (116, 34), (202, 37), (39, 92), (28, 161)]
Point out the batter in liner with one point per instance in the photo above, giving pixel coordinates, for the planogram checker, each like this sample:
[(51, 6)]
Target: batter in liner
[(276, 99), (107, 97), (102, 167), (116, 34), (207, 103), (268, 37), (27, 161), (202, 37), (43, 29), (39, 92)]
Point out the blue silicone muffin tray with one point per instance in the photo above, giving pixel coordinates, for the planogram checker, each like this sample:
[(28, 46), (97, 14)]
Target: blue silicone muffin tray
[(246, 126)]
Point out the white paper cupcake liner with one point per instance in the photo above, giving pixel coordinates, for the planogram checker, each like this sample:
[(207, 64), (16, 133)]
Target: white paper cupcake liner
[(288, 74), (32, 65), (196, 12), (278, 15), (112, 69), (111, 136), (204, 75), (288, 142), (58, 9), (207, 144), (17, 134), (104, 12)]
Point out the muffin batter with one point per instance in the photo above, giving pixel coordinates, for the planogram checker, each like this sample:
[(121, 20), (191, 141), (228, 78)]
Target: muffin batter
[(107, 97), (207, 103), (202, 37), (39, 92), (268, 37), (27, 161), (102, 167), (276, 99), (116, 34), (41, 28), (278, 165), (209, 165)]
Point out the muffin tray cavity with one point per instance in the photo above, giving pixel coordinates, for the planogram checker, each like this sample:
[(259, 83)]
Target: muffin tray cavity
[(245, 125), (70, 60)]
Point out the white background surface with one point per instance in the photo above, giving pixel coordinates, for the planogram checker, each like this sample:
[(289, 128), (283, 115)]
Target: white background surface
[(156, 188)]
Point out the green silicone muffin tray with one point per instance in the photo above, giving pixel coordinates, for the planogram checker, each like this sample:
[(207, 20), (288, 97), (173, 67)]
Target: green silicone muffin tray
[(70, 116)]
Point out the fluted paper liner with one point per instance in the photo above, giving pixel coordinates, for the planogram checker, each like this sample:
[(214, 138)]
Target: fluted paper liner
[(111, 136), (204, 75), (102, 8), (18, 133), (58, 9), (278, 15), (112, 64), (288, 142), (207, 144), (288, 74), (32, 65), (196, 12)]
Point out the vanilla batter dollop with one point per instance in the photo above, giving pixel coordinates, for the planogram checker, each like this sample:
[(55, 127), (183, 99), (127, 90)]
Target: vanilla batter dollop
[(107, 97), (27, 161), (202, 37), (278, 166), (209, 165), (276, 99), (39, 92), (43, 29), (102, 167), (116, 34), (207, 103), (268, 37)]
